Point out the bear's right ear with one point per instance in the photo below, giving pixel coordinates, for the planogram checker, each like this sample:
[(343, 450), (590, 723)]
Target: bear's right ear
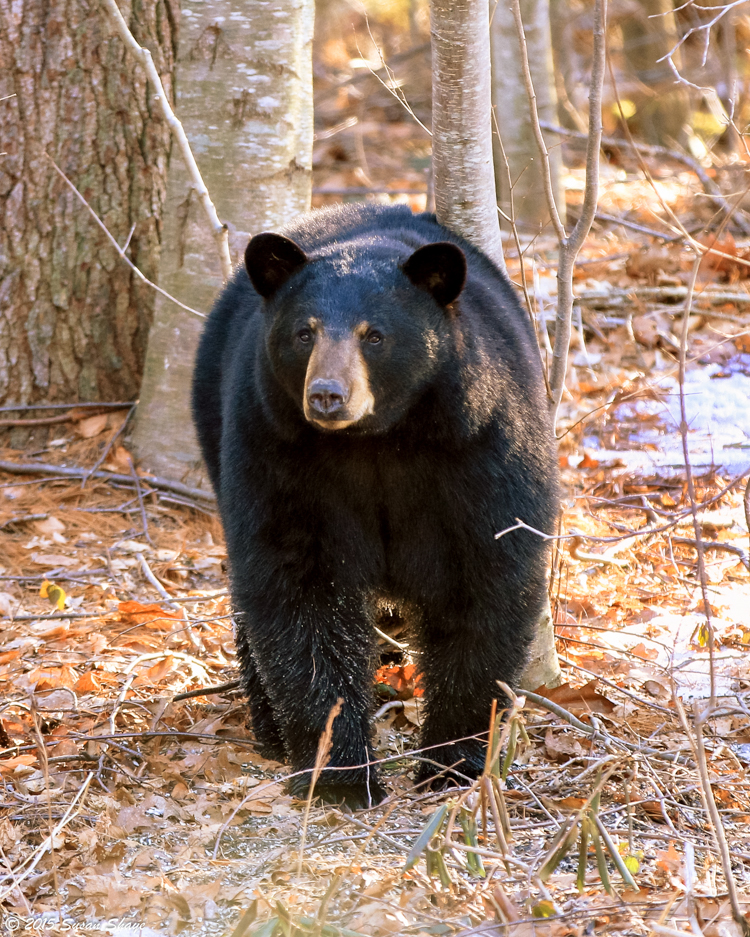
[(270, 259)]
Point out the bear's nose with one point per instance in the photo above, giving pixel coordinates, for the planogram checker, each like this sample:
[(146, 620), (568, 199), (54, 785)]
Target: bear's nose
[(326, 396)]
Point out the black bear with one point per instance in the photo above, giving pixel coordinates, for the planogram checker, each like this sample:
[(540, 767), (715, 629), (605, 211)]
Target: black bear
[(369, 400)]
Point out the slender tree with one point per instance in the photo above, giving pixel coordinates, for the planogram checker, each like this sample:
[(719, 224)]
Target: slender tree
[(461, 128), (74, 319), (244, 97), (662, 107), (465, 184)]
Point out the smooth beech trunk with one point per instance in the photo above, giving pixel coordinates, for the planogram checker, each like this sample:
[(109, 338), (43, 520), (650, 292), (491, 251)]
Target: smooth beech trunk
[(244, 96), (465, 197)]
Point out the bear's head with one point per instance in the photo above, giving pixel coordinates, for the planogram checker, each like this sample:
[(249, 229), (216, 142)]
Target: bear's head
[(355, 332)]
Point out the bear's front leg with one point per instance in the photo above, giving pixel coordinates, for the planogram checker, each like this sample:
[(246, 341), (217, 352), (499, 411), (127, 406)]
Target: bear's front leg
[(310, 651), (464, 655)]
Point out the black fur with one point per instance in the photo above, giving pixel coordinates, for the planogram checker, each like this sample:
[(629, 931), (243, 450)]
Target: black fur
[(404, 504)]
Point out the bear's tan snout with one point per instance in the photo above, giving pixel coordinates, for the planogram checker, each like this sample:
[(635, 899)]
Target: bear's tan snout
[(337, 384)]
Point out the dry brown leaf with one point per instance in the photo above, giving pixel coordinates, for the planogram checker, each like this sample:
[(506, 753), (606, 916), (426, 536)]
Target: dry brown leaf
[(92, 426), (9, 765), (578, 699), (87, 683), (119, 461), (152, 675), (135, 613), (52, 560), (50, 525), (669, 859), (561, 746)]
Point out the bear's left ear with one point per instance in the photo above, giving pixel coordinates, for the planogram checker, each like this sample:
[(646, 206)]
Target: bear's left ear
[(270, 259), (438, 268)]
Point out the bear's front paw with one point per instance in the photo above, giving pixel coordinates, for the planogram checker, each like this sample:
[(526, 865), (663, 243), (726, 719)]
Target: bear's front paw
[(354, 794)]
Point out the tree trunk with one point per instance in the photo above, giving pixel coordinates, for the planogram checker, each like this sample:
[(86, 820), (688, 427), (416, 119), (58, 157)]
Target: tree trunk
[(522, 197), (244, 96), (465, 183), (74, 319), (465, 197), (662, 108)]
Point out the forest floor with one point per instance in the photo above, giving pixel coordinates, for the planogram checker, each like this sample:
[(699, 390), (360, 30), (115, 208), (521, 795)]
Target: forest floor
[(127, 809)]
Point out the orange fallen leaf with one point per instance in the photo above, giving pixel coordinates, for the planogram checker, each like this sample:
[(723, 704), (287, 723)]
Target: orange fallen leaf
[(578, 699), (156, 673), (134, 613), (404, 680), (87, 683), (669, 860), (9, 765)]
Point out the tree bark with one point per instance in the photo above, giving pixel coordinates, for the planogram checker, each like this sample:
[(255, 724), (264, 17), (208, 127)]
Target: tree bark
[(465, 183), (522, 197), (465, 198), (244, 96), (74, 319)]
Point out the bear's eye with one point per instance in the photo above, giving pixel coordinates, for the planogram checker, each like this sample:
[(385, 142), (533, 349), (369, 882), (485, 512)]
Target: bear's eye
[(374, 338), (305, 336)]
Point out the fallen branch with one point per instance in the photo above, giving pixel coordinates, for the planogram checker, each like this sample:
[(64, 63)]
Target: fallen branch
[(154, 481), (21, 407), (73, 416), (648, 149), (717, 545), (612, 299), (596, 730)]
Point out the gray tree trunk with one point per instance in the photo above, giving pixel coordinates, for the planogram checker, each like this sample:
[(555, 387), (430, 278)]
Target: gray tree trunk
[(649, 31), (244, 96), (511, 103), (465, 183), (465, 197)]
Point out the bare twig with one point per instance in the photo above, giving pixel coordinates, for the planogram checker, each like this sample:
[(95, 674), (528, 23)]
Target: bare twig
[(120, 250), (207, 691), (695, 738), (34, 859), (218, 229)]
